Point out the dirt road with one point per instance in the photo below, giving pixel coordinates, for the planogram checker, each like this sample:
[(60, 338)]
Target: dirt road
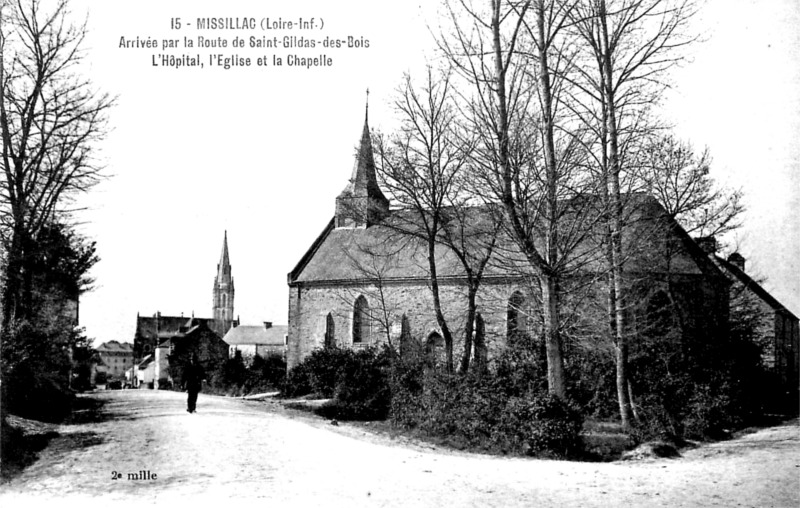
[(244, 450)]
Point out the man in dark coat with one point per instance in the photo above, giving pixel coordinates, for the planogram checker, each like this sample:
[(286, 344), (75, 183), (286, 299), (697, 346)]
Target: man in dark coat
[(193, 376)]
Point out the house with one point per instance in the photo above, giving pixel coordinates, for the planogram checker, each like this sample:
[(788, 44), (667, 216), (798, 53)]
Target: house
[(115, 359), (194, 338), (337, 296), (262, 340), (145, 373), (776, 329)]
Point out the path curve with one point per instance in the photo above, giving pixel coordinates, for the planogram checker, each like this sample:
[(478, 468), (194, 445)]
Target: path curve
[(240, 449)]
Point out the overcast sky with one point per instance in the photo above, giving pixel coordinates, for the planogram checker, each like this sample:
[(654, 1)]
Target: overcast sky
[(263, 152)]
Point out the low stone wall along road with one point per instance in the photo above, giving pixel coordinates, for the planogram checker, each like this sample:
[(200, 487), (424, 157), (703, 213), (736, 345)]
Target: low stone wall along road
[(147, 449)]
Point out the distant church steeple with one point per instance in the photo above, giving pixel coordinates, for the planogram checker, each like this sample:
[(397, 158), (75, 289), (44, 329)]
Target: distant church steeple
[(223, 288), (362, 203)]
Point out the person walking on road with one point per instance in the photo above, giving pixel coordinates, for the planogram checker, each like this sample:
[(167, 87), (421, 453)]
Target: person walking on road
[(193, 376)]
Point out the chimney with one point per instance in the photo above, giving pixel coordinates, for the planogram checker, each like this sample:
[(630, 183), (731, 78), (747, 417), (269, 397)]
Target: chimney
[(267, 324), (736, 260), (707, 243)]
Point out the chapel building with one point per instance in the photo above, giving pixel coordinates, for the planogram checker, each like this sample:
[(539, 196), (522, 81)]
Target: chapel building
[(358, 285)]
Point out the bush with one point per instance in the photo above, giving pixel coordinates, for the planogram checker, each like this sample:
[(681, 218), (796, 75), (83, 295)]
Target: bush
[(225, 378), (34, 373), (540, 425), (298, 382), (707, 390), (485, 412), (357, 381), (265, 373), (362, 387), (326, 365), (38, 396), (407, 383)]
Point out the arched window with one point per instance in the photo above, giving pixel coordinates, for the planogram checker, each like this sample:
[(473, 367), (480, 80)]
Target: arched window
[(360, 321), (434, 349), (517, 321), (330, 333)]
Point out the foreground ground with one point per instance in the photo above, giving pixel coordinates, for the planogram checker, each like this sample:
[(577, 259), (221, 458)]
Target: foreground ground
[(254, 450)]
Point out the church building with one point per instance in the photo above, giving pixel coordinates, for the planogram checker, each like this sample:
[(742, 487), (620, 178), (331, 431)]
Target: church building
[(159, 329), (358, 286)]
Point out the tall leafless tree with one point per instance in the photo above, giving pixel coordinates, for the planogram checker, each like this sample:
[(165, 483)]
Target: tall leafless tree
[(628, 46), (423, 167), (681, 180), (51, 119), (513, 56)]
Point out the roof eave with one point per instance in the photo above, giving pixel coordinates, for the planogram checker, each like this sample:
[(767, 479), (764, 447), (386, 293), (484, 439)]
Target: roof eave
[(295, 273)]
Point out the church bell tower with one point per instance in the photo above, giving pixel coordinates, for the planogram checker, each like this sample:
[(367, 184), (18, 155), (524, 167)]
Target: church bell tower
[(223, 289), (362, 204)]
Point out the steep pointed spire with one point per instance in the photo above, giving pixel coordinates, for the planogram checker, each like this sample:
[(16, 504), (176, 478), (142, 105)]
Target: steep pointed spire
[(362, 203), (224, 266), (223, 289)]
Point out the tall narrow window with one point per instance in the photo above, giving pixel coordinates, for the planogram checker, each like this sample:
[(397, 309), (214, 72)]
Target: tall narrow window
[(517, 322), (360, 321), (479, 344), (330, 334), (405, 336)]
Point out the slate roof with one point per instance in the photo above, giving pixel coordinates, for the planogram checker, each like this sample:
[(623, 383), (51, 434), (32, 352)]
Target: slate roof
[(363, 181), (346, 254), (752, 285), (256, 335), (147, 360), (115, 347), (166, 326)]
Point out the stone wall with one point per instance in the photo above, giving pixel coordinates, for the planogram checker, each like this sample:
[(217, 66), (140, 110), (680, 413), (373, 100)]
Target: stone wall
[(310, 306), (702, 305)]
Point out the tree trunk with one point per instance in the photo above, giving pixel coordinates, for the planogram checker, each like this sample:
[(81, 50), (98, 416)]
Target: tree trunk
[(616, 221), (556, 376), (469, 328), (437, 306), (555, 362)]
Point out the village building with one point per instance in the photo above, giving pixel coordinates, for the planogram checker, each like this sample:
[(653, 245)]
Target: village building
[(357, 286), (251, 341), (194, 339), (776, 328), (143, 374), (159, 336), (114, 359)]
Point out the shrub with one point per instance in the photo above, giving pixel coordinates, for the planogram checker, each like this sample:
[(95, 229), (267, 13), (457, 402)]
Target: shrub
[(226, 378), (484, 412), (325, 366), (39, 396), (298, 382), (540, 424), (265, 373), (362, 387), (407, 383)]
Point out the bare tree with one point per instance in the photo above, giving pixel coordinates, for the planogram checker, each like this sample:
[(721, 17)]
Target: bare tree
[(681, 181), (627, 48), (423, 167), (513, 56), (51, 118)]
